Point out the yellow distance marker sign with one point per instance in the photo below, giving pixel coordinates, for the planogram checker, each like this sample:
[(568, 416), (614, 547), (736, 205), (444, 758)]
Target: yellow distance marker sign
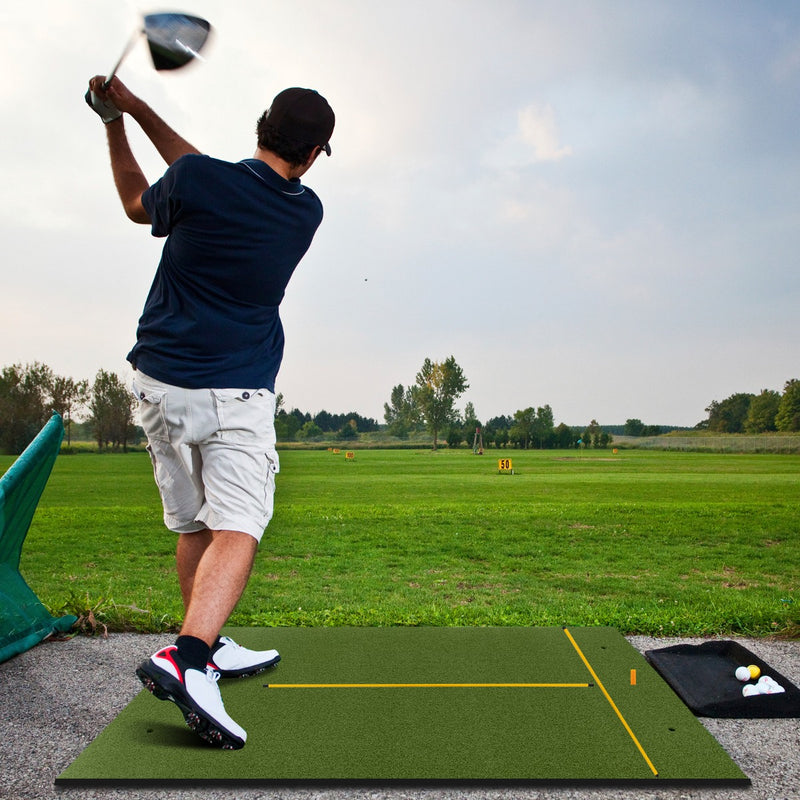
[(504, 466)]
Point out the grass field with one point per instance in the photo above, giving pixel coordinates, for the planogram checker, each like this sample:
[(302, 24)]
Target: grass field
[(649, 542)]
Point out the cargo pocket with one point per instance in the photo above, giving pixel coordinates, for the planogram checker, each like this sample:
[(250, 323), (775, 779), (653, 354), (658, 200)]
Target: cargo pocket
[(273, 462), (273, 468), (243, 414), (152, 411)]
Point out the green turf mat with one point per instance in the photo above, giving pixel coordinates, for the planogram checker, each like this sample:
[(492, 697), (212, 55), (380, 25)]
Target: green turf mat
[(582, 719)]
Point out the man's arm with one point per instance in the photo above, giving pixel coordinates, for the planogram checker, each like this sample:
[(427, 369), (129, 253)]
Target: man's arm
[(169, 144), (128, 176)]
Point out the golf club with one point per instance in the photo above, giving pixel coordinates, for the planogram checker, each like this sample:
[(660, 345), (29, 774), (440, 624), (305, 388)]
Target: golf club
[(174, 40)]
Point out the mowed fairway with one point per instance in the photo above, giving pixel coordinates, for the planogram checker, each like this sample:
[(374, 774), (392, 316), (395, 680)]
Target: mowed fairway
[(648, 542)]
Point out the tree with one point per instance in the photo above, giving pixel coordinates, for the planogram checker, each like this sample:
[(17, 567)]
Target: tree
[(348, 431), (24, 404), (286, 426), (564, 436), (788, 416), (402, 416), (499, 437), (360, 424), (472, 426), (591, 436), (522, 431), (543, 426), (438, 386), (762, 412), (496, 430), (310, 431), (729, 416), (67, 397), (455, 434), (112, 411), (633, 427), (325, 421), (471, 420)]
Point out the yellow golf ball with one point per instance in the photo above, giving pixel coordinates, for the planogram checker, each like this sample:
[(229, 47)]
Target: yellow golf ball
[(754, 671)]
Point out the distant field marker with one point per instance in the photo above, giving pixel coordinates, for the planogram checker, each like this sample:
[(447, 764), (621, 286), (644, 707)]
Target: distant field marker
[(505, 467)]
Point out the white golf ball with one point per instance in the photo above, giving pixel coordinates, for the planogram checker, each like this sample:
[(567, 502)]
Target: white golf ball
[(742, 673)]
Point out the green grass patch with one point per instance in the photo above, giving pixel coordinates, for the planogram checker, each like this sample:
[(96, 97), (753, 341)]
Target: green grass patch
[(648, 542)]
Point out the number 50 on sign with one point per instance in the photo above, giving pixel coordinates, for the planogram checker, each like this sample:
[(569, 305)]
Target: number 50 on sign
[(504, 465)]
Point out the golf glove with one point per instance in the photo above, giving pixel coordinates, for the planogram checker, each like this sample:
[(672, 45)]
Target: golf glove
[(107, 111)]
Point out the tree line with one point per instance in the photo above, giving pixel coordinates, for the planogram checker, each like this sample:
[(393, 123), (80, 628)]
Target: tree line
[(756, 413), (429, 404), (299, 426), (30, 393)]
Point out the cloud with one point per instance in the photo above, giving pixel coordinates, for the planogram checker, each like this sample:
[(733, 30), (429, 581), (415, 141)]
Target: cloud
[(586, 190), (538, 130), (534, 139)]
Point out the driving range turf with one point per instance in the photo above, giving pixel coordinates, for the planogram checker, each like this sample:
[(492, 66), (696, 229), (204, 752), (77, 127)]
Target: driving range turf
[(647, 542), (426, 704)]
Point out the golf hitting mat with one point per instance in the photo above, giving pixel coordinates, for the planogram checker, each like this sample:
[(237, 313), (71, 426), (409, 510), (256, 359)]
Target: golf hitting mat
[(425, 704)]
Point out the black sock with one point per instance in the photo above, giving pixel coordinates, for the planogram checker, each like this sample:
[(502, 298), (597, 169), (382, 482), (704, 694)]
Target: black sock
[(193, 652)]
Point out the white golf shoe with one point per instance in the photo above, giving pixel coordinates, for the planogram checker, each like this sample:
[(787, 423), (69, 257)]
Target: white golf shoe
[(232, 660), (197, 695)]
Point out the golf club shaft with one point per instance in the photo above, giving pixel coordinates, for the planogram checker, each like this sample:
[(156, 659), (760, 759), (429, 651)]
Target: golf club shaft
[(128, 48)]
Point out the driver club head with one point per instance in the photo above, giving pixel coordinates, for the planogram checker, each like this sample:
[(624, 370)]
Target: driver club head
[(174, 39)]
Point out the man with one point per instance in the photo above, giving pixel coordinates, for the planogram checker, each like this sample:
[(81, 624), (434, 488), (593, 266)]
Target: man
[(208, 348)]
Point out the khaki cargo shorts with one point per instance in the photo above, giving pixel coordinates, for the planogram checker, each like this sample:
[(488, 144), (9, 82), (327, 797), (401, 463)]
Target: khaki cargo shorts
[(213, 454)]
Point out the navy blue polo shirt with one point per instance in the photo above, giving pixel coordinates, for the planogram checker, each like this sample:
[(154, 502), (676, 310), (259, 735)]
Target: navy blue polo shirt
[(235, 233)]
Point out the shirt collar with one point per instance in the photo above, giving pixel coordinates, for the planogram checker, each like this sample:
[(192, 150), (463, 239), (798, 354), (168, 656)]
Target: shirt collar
[(268, 175)]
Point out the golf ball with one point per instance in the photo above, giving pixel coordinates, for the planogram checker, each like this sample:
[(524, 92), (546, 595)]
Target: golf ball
[(754, 671), (743, 673)]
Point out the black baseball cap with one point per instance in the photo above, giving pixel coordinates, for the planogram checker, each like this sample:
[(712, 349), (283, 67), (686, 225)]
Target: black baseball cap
[(302, 115)]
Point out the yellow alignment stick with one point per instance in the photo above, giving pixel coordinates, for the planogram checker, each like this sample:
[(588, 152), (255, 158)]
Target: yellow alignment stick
[(426, 685), (613, 705)]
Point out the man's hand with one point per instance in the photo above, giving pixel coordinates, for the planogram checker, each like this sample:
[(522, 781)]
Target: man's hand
[(120, 95), (99, 102), (111, 101), (169, 144)]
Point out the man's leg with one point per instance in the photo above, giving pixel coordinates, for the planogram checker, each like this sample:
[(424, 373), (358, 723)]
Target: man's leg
[(190, 549), (213, 564), (221, 562), (178, 673), (228, 658)]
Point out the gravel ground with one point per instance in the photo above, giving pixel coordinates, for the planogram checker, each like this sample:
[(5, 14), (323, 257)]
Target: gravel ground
[(57, 697)]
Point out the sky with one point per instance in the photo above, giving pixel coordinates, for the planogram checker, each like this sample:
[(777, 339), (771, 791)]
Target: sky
[(590, 204)]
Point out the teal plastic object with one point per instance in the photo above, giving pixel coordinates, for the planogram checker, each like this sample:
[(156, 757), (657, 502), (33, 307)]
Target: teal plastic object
[(24, 621)]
